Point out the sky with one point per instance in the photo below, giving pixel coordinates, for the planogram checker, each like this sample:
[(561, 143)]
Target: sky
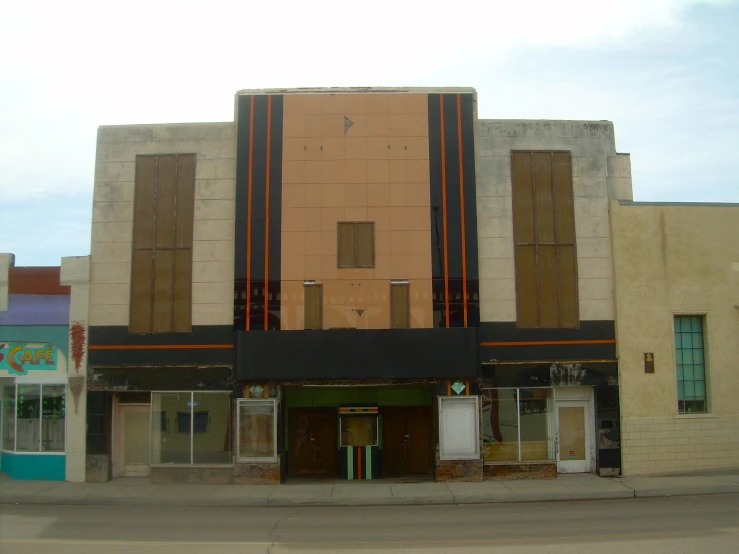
[(666, 72)]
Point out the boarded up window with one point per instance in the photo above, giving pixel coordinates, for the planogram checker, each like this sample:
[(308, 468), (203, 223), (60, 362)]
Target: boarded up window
[(400, 311), (356, 244), (313, 306), (161, 270), (544, 237)]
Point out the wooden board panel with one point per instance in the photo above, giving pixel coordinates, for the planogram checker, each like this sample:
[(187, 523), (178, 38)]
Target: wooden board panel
[(543, 199), (523, 198), (182, 297), (346, 245), (165, 201), (313, 306), (163, 291), (143, 205), (548, 288), (364, 234), (400, 317), (185, 200), (141, 281), (526, 289), (568, 296), (564, 210)]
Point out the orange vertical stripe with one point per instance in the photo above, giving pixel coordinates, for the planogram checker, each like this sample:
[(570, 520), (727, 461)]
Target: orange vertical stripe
[(467, 388), (443, 215), (461, 208), (248, 215), (359, 462), (448, 388), (266, 213), (266, 391)]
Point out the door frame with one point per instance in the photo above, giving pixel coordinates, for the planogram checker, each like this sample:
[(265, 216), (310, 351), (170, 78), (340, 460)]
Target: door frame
[(577, 466), (118, 447)]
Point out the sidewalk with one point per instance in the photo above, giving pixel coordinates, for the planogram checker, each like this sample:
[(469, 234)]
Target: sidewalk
[(139, 492)]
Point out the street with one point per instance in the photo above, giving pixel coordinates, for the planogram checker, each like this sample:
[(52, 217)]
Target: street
[(704, 524)]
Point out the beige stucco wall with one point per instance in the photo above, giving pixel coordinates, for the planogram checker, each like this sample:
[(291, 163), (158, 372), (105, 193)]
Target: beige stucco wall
[(668, 260), (598, 173), (214, 145)]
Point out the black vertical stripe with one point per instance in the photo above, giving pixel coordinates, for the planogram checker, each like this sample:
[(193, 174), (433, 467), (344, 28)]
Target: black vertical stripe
[(454, 203), (258, 212), (275, 204)]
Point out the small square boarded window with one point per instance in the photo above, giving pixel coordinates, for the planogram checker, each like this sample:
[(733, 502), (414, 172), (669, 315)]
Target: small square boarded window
[(356, 244)]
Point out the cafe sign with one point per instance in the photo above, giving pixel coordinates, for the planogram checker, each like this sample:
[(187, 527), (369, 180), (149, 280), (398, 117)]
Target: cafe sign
[(19, 358)]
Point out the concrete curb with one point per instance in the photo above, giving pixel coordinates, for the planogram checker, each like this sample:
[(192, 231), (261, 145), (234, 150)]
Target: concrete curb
[(313, 502)]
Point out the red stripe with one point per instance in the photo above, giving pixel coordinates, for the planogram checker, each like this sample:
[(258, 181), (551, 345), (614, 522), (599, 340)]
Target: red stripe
[(266, 213)]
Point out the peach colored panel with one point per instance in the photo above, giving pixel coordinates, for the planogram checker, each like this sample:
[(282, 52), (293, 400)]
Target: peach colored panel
[(375, 169)]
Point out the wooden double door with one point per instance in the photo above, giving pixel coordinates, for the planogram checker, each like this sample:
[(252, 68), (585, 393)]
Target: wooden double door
[(406, 437), (313, 442)]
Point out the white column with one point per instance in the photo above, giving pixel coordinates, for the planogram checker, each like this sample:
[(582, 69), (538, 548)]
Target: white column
[(6, 262), (76, 274)]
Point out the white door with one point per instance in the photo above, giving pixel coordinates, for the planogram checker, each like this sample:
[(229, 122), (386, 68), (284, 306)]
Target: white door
[(574, 437), (133, 440)]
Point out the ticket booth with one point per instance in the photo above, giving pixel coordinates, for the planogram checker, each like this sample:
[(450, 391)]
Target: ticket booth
[(359, 456)]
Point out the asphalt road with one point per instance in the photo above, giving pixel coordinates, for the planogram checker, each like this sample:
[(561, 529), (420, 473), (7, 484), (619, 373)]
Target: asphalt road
[(704, 524)]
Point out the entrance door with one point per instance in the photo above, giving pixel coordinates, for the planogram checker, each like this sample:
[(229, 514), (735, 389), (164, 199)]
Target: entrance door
[(574, 437), (406, 440), (133, 441), (313, 441)]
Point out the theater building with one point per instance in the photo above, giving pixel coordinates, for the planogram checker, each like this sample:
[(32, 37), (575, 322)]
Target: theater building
[(357, 284)]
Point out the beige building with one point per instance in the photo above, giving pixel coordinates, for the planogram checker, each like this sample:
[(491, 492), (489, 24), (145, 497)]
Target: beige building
[(677, 318)]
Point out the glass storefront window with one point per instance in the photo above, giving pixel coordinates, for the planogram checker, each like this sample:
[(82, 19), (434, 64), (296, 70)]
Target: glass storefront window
[(536, 424), (257, 429), (518, 424), (191, 428), (8, 418), (211, 440), (359, 431), (500, 425), (28, 418), (53, 414), (34, 418)]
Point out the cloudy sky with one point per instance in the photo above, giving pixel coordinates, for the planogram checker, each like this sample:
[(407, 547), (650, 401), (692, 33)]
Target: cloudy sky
[(666, 72)]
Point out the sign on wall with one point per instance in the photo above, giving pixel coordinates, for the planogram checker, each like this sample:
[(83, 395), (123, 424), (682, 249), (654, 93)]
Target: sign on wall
[(19, 358)]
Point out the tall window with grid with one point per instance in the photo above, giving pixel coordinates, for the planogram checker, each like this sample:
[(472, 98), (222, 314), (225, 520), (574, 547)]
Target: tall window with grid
[(691, 364)]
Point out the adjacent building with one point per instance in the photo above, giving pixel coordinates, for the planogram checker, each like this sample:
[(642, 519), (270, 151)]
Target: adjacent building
[(356, 283), (677, 313), (41, 420)]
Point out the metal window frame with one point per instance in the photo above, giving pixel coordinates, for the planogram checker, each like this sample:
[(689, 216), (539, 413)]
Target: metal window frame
[(192, 423), (275, 414), (706, 380)]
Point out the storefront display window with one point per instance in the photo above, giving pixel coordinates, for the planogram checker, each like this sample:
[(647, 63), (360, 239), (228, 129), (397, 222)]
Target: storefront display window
[(459, 436), (34, 418), (257, 423), (518, 424), (359, 430), (191, 428)]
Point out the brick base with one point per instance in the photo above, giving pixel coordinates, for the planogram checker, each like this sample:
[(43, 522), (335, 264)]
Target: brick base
[(258, 473), (97, 468), (536, 470), (192, 475), (458, 470)]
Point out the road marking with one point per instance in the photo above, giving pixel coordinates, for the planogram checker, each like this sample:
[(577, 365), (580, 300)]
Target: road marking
[(356, 543)]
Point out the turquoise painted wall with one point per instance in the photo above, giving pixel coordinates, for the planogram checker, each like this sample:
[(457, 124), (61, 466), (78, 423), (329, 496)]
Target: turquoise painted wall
[(58, 335), (35, 467)]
